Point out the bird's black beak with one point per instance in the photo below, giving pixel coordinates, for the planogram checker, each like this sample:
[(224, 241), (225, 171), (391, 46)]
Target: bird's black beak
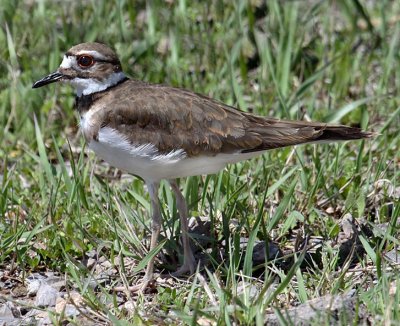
[(55, 76)]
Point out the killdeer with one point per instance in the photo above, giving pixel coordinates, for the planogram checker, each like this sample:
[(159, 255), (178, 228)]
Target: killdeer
[(160, 132)]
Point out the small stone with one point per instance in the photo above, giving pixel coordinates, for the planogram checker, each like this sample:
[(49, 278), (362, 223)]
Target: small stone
[(91, 262), (330, 305), (33, 313), (348, 226), (259, 251), (106, 265), (393, 255), (101, 259), (6, 311), (75, 298), (46, 296), (33, 287), (60, 304), (330, 210), (92, 282), (202, 321), (19, 291), (91, 253), (68, 309), (252, 290), (129, 306), (45, 320), (71, 311)]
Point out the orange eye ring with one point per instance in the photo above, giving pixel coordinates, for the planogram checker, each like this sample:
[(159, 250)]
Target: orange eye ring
[(85, 61)]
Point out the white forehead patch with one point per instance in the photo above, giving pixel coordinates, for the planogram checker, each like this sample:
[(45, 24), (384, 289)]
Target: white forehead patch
[(94, 54), (68, 62)]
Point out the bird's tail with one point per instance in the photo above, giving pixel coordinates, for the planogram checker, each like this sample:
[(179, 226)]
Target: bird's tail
[(331, 133), (280, 133)]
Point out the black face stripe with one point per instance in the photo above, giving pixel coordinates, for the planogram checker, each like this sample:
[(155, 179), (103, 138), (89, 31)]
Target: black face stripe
[(114, 62)]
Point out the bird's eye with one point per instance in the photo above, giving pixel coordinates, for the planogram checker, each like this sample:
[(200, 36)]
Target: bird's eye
[(85, 61)]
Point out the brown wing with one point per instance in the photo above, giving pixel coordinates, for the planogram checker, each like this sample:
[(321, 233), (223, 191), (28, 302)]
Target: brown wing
[(172, 118)]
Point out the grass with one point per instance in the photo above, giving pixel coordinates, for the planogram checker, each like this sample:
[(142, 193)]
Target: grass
[(333, 61)]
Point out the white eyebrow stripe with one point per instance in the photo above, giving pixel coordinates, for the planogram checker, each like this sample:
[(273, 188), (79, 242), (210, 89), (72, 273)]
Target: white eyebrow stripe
[(93, 53)]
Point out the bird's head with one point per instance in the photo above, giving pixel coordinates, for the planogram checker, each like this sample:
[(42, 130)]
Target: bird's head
[(89, 67)]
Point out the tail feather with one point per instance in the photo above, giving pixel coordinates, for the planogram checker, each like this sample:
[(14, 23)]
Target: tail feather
[(342, 133), (281, 133)]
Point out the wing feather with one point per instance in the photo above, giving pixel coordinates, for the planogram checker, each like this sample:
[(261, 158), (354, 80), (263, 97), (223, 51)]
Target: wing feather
[(171, 119)]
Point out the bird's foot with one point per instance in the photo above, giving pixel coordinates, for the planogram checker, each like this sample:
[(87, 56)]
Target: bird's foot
[(187, 267)]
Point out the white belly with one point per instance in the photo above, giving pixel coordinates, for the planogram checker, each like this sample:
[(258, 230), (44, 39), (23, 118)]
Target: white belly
[(146, 162)]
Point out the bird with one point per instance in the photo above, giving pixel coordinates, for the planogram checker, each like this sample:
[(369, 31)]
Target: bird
[(159, 132)]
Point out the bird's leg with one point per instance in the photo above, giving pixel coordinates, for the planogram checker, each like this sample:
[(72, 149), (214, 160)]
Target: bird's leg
[(155, 232), (189, 262), (155, 226)]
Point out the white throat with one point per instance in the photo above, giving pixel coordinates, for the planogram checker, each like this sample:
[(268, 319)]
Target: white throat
[(87, 86)]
